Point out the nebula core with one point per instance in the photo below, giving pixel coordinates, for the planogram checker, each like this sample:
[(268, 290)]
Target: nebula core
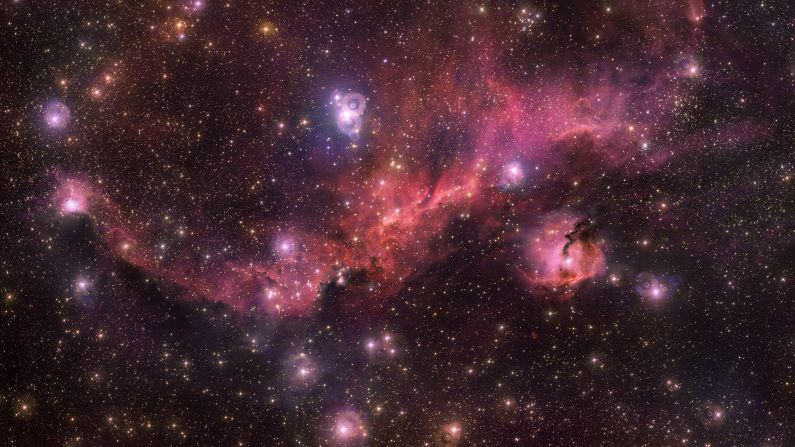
[(457, 223)]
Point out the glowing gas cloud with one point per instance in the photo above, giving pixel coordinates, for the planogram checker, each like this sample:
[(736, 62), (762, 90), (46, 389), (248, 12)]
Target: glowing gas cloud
[(519, 156), (563, 252)]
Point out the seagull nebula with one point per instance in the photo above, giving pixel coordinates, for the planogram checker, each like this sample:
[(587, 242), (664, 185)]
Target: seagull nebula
[(388, 223)]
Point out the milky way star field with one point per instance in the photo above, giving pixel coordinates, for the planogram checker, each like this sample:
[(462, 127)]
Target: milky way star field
[(387, 223)]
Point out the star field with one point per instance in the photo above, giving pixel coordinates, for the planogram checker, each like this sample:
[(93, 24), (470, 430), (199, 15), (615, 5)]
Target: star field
[(383, 223)]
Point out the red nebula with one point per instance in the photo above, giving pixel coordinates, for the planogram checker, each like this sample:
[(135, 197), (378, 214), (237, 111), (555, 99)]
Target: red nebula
[(562, 253), (440, 138), (72, 196), (393, 227)]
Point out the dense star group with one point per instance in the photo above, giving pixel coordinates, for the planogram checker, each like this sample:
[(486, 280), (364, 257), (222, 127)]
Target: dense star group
[(384, 223)]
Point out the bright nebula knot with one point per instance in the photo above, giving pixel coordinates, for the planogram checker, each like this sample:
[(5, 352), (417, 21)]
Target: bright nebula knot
[(563, 253)]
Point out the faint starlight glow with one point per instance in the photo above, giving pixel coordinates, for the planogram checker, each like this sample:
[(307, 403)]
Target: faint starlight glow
[(25, 407), (56, 114), (267, 29), (712, 414), (688, 66)]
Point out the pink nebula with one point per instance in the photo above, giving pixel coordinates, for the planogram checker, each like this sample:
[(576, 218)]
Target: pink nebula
[(561, 254), (72, 197), (404, 196)]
